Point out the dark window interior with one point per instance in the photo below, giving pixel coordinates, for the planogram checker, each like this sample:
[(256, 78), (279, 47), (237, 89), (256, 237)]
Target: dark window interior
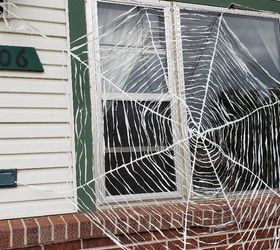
[(132, 124), (139, 173), (1, 7), (131, 132)]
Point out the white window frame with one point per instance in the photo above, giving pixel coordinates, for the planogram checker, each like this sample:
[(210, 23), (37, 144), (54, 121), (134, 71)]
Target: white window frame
[(213, 9), (96, 93), (175, 85), (209, 9)]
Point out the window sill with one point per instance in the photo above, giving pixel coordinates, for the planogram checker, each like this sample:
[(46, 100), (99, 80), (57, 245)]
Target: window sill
[(78, 229), (139, 199)]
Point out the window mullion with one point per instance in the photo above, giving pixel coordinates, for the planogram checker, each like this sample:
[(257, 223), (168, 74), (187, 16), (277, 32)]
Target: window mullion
[(180, 110), (96, 93)]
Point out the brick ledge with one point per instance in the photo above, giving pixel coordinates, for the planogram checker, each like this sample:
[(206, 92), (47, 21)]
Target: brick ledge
[(77, 229)]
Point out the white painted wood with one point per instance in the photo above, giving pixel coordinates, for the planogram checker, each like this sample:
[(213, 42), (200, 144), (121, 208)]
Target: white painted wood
[(36, 134), (39, 14), (8, 131), (51, 72), (34, 27), (39, 42), (34, 115), (14, 100), (56, 4), (48, 57), (36, 161), (73, 121), (29, 146), (36, 192), (29, 208), (44, 176), (27, 85)]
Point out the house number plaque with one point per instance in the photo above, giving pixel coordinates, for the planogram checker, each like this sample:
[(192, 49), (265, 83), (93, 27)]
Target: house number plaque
[(19, 59)]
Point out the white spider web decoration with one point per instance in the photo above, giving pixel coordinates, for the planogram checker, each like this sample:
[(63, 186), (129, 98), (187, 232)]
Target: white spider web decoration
[(205, 133), (186, 113)]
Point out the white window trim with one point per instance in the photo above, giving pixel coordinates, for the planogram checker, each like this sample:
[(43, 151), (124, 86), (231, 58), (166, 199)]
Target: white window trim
[(208, 8), (96, 93), (212, 9)]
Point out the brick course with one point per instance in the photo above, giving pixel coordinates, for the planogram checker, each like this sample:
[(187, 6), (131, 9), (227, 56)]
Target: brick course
[(209, 226)]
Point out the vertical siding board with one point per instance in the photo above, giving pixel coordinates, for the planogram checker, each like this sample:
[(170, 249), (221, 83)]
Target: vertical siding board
[(82, 105)]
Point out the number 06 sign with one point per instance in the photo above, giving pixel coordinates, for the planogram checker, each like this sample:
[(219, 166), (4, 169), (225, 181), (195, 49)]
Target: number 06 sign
[(19, 59)]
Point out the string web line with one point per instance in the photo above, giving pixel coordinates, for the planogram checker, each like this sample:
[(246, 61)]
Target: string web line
[(138, 106), (199, 124)]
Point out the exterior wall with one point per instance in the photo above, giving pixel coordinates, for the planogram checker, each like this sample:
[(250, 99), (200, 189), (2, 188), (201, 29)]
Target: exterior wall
[(29, 104), (35, 113)]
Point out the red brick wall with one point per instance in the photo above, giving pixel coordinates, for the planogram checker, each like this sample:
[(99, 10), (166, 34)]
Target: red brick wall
[(210, 226)]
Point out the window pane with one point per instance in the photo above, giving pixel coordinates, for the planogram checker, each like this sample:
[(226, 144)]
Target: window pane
[(261, 37), (133, 72), (139, 173), (132, 48), (231, 90), (131, 124), (132, 26)]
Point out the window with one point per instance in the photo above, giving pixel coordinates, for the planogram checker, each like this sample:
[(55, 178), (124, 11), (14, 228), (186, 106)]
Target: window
[(185, 100), (245, 78), (136, 104)]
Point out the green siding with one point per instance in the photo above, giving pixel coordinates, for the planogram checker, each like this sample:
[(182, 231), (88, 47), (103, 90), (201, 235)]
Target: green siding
[(267, 5), (82, 105)]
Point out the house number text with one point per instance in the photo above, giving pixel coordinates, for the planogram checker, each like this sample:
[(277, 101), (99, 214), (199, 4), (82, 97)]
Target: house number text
[(19, 59)]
